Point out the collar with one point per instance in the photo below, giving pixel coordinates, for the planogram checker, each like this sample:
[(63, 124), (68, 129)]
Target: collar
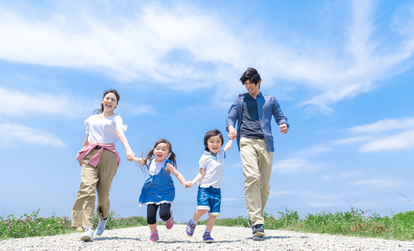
[(245, 94)]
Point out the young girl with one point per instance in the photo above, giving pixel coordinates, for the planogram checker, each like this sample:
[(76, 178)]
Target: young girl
[(211, 172), (158, 190)]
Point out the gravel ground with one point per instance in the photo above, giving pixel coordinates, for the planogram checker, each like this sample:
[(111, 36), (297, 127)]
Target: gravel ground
[(226, 238)]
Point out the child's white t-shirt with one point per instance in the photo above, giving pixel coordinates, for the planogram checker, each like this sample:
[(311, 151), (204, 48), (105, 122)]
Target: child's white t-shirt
[(214, 167), (104, 130)]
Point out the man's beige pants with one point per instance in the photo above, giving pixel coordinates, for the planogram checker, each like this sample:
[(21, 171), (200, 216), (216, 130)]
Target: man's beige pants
[(257, 167), (94, 180)]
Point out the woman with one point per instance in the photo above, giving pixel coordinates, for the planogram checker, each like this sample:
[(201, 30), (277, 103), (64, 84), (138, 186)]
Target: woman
[(99, 160)]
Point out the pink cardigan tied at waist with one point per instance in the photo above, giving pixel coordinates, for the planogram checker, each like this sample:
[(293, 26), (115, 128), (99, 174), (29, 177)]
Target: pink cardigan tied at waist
[(95, 159)]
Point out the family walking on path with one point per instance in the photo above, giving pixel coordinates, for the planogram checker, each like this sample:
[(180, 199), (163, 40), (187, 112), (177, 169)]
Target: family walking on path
[(252, 111)]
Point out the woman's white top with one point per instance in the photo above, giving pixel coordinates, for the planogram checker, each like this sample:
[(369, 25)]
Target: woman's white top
[(104, 130)]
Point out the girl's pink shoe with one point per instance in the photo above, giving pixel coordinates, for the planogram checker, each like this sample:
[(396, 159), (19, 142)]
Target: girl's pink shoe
[(153, 237), (170, 223)]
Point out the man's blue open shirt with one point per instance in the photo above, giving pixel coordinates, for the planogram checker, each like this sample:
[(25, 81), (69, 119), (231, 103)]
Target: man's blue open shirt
[(266, 107)]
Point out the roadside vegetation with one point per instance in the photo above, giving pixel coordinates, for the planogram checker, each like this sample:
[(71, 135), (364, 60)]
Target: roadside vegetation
[(353, 223)]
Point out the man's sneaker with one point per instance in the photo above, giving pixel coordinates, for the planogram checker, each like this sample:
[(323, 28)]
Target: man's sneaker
[(88, 234), (250, 225), (101, 226), (190, 228), (169, 223), (207, 238), (258, 230), (153, 237)]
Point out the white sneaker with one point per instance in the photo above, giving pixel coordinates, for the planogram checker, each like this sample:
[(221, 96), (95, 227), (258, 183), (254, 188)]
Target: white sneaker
[(101, 226), (88, 234)]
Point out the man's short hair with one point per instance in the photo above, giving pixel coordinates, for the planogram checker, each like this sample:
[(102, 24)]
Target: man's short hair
[(250, 74)]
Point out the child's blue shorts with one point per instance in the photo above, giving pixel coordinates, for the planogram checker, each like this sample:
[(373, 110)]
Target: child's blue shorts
[(209, 199)]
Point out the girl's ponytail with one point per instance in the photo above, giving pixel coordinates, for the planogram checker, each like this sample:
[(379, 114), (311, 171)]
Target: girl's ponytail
[(172, 159)]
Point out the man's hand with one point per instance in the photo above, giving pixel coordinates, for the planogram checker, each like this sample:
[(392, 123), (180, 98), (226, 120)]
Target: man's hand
[(232, 133), (283, 128)]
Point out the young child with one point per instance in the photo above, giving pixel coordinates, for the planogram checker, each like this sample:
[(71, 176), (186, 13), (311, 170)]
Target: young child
[(211, 172), (158, 190)]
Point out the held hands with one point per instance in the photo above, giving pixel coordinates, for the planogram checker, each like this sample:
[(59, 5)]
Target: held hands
[(130, 154), (232, 133), (188, 184), (283, 128)]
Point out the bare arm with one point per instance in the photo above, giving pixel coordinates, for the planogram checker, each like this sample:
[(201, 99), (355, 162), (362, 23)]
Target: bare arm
[(86, 142), (139, 160), (129, 153), (177, 174), (228, 145), (199, 176)]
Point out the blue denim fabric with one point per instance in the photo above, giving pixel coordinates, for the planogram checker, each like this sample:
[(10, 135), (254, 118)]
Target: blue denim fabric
[(210, 197), (266, 107)]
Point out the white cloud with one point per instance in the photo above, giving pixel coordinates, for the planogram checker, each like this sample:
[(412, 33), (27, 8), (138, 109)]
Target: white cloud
[(194, 49), (352, 140), (313, 151), (140, 47), (377, 139), (384, 125), (379, 182), (15, 133), (390, 143), (23, 104), (295, 165)]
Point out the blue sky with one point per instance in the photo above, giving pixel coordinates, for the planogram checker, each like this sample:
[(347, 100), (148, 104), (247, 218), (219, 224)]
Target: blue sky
[(341, 70)]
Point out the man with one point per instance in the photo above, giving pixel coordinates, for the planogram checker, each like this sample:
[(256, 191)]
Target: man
[(253, 112)]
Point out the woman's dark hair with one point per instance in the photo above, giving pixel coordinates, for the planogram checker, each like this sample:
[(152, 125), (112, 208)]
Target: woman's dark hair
[(150, 153), (98, 111), (210, 134), (252, 75)]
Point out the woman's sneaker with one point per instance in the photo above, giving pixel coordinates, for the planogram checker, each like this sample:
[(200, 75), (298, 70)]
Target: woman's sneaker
[(88, 234), (190, 228), (153, 237), (101, 226), (169, 223), (207, 238)]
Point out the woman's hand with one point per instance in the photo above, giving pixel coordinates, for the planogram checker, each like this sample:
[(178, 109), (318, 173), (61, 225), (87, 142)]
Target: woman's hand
[(130, 154)]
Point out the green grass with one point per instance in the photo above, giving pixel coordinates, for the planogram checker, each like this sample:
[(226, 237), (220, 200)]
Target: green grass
[(352, 223), (29, 225)]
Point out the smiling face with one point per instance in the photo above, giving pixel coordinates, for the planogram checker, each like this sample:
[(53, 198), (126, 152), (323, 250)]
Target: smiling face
[(253, 89), (161, 152), (109, 102), (214, 144)]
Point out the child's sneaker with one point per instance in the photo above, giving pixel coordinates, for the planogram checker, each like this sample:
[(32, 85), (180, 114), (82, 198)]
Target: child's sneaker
[(169, 223), (207, 237), (101, 226), (153, 237), (88, 234), (190, 228)]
